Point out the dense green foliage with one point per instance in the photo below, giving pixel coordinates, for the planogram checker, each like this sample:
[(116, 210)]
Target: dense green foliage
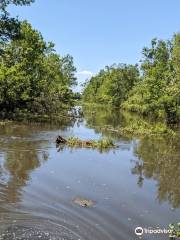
[(32, 75), (156, 91), (175, 231), (112, 84), (33, 78), (159, 91), (10, 27)]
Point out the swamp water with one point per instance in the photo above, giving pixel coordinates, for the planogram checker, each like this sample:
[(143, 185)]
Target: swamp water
[(135, 185)]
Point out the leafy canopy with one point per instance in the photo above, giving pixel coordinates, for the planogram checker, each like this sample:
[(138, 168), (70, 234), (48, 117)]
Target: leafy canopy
[(158, 92), (155, 91), (112, 84), (10, 27), (32, 75)]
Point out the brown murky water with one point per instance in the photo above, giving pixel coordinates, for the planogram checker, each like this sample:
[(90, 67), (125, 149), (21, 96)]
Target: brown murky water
[(137, 184)]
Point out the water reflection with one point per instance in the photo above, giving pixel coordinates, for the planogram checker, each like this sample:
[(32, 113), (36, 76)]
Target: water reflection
[(38, 183), (18, 163), (159, 158), (138, 170), (22, 150), (156, 157)]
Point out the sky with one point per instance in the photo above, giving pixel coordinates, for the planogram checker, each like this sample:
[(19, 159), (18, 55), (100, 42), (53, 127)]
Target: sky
[(102, 32)]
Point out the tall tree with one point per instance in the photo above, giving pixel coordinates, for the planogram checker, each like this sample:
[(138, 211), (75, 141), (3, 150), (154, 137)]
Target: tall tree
[(32, 75), (10, 27), (158, 92), (112, 84)]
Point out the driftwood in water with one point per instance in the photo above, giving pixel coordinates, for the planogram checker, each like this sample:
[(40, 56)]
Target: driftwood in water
[(60, 140)]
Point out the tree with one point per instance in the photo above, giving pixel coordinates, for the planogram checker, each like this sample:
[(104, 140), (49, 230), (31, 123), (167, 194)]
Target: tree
[(10, 27), (155, 91), (158, 92), (112, 84), (5, 3), (32, 75)]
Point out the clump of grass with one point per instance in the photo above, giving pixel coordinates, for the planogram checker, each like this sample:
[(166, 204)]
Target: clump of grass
[(3, 123), (100, 144), (143, 128)]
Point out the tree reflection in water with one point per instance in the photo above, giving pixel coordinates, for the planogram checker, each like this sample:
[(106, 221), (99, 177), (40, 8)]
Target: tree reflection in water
[(159, 156), (160, 160), (19, 163), (22, 150)]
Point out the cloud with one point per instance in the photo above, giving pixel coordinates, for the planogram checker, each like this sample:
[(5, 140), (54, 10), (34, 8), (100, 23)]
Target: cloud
[(85, 72)]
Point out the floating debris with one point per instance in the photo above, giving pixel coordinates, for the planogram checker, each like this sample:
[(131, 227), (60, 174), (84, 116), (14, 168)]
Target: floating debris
[(84, 202), (76, 142), (60, 140)]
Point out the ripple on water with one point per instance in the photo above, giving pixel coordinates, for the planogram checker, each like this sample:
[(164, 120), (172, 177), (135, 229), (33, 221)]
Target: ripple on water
[(35, 230)]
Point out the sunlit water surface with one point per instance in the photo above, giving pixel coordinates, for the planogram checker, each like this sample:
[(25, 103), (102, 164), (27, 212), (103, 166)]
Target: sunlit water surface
[(137, 184)]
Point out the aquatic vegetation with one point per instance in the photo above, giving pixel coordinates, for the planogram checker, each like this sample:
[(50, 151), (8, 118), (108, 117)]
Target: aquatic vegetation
[(136, 125), (103, 145), (143, 128), (175, 231), (115, 122), (3, 123), (100, 144)]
